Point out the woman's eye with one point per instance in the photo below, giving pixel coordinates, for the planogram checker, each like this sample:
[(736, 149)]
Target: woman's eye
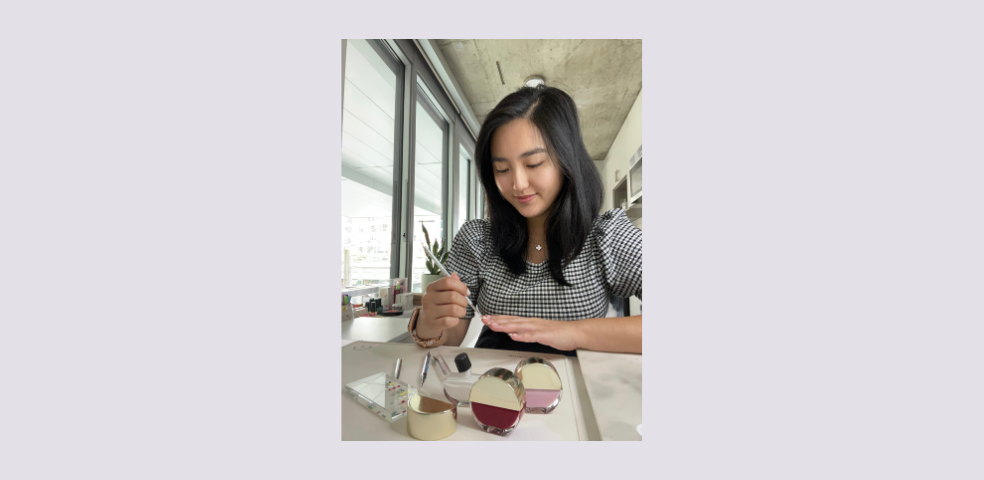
[(502, 171), (534, 166)]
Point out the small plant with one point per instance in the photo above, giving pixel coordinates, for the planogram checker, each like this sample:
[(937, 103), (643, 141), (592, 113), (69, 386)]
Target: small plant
[(440, 252)]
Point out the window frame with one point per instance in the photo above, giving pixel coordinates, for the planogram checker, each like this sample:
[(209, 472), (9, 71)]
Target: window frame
[(425, 98), (464, 140), (415, 77), (398, 65), (419, 71)]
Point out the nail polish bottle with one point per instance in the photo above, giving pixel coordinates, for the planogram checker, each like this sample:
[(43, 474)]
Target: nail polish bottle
[(498, 401), (458, 385), (542, 384)]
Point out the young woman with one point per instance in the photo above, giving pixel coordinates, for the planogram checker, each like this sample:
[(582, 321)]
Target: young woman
[(543, 267)]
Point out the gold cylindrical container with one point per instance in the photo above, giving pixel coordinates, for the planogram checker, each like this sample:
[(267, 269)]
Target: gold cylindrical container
[(431, 419)]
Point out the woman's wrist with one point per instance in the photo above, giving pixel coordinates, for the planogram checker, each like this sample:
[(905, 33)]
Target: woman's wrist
[(422, 331), (578, 328), (423, 337)]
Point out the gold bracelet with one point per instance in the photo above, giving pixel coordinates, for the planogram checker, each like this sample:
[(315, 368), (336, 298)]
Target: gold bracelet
[(412, 326)]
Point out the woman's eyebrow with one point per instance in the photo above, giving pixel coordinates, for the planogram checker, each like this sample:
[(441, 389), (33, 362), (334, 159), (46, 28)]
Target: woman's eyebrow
[(522, 155), (534, 152)]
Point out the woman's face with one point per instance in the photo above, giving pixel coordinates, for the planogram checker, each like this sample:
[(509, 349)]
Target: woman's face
[(524, 172)]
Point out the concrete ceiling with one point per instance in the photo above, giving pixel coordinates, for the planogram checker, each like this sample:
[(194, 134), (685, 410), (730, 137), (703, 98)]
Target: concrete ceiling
[(603, 76)]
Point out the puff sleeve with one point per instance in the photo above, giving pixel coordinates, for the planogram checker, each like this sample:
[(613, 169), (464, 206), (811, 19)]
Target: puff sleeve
[(619, 251)]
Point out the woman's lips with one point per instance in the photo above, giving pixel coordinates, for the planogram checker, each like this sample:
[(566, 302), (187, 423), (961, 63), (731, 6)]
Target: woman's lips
[(526, 198)]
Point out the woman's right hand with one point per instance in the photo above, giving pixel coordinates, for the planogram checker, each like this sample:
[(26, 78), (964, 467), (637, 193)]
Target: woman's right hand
[(442, 306)]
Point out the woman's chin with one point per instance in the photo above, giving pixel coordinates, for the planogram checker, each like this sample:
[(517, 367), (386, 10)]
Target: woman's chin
[(529, 211)]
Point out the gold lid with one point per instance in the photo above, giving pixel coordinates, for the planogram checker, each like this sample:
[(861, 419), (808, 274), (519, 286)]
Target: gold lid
[(431, 419), (501, 388), (538, 373)]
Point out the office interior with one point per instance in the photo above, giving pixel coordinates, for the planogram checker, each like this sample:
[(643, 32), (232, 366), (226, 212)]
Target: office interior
[(411, 110)]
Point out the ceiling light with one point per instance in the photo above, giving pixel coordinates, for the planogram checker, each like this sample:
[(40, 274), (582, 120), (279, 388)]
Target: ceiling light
[(534, 80)]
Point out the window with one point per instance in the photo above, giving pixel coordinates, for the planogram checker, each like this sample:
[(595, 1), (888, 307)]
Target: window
[(370, 132), (430, 181), (476, 195), (401, 170)]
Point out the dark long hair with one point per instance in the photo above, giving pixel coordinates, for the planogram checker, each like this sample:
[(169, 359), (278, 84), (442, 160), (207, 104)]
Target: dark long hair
[(573, 212)]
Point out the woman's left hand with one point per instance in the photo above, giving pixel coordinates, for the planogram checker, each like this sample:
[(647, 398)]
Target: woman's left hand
[(553, 333)]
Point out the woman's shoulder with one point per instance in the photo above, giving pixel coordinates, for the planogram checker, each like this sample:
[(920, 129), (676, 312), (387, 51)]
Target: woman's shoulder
[(475, 233), (619, 251), (614, 221), (477, 229), (472, 241)]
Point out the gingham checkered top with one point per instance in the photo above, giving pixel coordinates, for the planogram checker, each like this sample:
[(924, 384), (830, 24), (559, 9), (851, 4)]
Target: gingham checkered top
[(609, 264)]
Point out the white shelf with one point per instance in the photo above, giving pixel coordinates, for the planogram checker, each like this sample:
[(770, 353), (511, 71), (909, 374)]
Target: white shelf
[(361, 290), (635, 210)]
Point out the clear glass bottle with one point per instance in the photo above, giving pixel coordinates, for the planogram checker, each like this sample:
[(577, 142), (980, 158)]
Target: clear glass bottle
[(457, 385)]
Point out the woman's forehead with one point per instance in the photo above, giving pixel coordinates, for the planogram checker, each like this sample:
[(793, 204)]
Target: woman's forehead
[(518, 135)]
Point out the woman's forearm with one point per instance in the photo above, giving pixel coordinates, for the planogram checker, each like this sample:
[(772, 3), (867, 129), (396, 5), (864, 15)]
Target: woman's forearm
[(613, 334)]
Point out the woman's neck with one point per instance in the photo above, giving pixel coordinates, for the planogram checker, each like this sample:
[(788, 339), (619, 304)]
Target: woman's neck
[(536, 245), (537, 228)]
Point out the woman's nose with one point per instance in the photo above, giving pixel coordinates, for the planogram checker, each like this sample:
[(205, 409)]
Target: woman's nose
[(520, 182)]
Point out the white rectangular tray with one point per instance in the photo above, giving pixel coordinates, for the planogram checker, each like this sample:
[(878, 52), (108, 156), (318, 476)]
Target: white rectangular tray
[(361, 359)]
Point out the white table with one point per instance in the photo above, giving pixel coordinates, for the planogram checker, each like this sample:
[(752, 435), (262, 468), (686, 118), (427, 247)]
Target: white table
[(378, 329), (606, 393), (570, 421), (394, 329)]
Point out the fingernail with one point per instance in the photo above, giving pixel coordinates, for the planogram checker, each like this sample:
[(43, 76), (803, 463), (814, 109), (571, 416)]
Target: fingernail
[(485, 318)]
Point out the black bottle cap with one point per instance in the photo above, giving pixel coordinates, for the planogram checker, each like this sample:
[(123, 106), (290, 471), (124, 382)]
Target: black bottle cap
[(462, 362)]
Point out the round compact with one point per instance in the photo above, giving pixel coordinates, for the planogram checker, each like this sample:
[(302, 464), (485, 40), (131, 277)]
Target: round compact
[(542, 384), (498, 400), (431, 419)]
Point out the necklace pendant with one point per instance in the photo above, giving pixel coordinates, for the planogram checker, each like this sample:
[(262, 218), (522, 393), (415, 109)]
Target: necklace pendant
[(538, 247)]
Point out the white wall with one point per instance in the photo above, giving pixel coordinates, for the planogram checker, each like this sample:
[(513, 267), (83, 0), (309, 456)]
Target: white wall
[(627, 142)]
